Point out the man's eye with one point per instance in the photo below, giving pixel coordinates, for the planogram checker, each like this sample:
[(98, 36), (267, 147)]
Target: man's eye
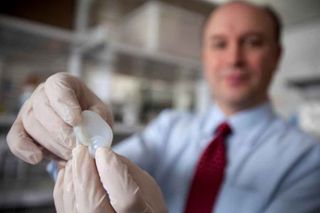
[(252, 42), (218, 45)]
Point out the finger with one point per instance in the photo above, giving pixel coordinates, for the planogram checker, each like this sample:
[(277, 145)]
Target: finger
[(124, 193), (20, 143), (149, 187), (104, 112), (48, 118), (58, 192), (61, 90), (99, 107), (90, 194), (41, 135), (69, 202)]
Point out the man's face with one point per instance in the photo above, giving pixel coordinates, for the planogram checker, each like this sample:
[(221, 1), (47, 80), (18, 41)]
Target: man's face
[(239, 55)]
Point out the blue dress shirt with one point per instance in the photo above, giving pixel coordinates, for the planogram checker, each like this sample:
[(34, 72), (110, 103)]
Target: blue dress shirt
[(272, 167)]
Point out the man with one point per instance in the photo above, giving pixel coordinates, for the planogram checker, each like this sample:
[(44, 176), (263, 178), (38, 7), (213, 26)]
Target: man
[(259, 163)]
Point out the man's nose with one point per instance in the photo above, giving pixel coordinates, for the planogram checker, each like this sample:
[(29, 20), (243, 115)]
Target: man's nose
[(235, 56)]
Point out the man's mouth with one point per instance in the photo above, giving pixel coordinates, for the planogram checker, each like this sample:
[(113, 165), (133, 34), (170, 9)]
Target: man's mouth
[(236, 77)]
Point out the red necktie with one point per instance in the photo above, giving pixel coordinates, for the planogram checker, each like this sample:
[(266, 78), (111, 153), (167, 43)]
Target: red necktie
[(209, 174)]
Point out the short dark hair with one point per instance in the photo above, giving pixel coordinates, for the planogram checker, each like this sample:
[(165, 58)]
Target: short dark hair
[(269, 10), (275, 17)]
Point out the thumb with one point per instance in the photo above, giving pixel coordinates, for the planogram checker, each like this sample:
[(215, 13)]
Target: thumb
[(124, 193), (89, 192)]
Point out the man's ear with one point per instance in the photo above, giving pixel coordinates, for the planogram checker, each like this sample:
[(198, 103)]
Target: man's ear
[(277, 56), (279, 53)]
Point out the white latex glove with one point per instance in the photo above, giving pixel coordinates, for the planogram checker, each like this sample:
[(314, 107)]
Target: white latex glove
[(130, 189), (78, 188), (44, 124)]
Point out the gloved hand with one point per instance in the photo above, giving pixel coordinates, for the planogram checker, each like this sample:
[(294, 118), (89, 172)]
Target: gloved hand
[(78, 188), (44, 123), (130, 189)]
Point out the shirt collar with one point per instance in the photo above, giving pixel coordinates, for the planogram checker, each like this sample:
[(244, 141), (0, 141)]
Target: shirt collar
[(239, 122)]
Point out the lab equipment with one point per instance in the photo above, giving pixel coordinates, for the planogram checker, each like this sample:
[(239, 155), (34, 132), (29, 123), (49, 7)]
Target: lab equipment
[(93, 132)]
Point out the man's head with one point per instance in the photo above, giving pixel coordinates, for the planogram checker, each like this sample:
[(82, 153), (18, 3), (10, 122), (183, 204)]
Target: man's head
[(241, 51)]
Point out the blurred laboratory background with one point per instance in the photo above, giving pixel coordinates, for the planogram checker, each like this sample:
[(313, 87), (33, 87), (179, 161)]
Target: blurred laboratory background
[(138, 56)]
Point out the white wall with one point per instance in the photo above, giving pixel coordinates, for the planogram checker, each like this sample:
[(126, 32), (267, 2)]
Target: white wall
[(301, 59)]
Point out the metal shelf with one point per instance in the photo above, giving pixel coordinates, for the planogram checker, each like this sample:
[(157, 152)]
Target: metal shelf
[(305, 83)]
